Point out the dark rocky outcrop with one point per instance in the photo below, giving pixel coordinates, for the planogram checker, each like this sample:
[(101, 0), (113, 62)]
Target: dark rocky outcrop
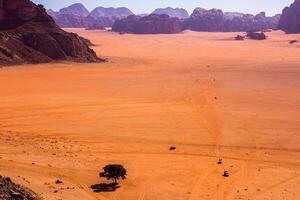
[(215, 20), (239, 37), (29, 35), (172, 12), (12, 191), (151, 24), (205, 20), (256, 35), (290, 18)]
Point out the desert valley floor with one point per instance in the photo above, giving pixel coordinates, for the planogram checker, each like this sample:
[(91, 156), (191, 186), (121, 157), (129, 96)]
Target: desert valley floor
[(208, 95)]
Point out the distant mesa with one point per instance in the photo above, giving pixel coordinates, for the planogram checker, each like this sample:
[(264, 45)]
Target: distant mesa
[(290, 18), (215, 20), (77, 16), (172, 12), (110, 12), (29, 35), (151, 24)]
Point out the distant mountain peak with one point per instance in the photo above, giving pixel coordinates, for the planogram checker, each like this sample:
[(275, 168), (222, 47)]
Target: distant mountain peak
[(180, 13), (110, 12), (75, 9)]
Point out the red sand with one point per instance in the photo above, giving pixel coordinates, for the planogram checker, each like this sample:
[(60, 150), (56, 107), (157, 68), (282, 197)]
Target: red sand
[(208, 95)]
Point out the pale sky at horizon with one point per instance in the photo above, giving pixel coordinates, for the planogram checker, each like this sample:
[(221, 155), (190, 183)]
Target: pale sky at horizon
[(271, 7)]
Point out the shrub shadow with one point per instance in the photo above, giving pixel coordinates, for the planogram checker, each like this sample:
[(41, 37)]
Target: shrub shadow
[(105, 187)]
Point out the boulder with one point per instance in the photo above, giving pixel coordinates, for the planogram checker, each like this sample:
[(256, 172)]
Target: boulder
[(239, 37), (256, 35)]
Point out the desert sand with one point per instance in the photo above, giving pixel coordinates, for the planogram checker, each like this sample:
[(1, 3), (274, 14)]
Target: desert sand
[(208, 95)]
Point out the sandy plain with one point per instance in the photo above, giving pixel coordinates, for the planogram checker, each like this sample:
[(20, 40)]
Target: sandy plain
[(208, 95)]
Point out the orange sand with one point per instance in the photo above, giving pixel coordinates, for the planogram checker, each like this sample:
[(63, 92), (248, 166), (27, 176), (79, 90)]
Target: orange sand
[(208, 95)]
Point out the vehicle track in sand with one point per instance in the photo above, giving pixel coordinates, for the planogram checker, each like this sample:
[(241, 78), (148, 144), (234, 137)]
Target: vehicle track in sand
[(209, 120)]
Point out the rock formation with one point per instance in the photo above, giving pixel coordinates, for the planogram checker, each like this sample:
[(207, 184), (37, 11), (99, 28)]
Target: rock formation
[(111, 12), (216, 20), (151, 24), (77, 16), (172, 12), (75, 9), (256, 35), (12, 191), (290, 18), (29, 35), (205, 20)]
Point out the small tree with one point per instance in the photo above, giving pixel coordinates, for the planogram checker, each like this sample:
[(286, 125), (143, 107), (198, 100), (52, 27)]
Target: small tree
[(114, 171)]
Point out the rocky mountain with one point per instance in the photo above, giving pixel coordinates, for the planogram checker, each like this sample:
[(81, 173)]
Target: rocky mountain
[(215, 20), (29, 35), (290, 18), (111, 12), (172, 12), (77, 16), (75, 9), (151, 24)]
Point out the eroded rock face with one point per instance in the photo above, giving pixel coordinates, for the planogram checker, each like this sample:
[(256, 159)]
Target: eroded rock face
[(29, 35), (216, 20), (152, 24), (290, 18), (12, 191)]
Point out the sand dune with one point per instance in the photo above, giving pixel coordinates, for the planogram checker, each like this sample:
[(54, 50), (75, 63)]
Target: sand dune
[(208, 95)]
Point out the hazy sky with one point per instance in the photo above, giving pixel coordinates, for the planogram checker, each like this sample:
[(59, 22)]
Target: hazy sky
[(139, 6)]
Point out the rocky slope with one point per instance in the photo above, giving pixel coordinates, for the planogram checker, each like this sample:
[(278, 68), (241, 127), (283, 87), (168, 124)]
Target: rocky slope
[(215, 20), (12, 191), (172, 12), (29, 35), (290, 18), (151, 24)]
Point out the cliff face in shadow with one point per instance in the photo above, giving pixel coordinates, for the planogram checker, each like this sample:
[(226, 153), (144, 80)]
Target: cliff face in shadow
[(29, 35), (290, 18), (151, 24)]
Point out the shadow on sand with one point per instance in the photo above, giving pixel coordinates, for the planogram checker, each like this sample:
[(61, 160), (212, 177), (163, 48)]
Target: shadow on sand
[(105, 187)]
